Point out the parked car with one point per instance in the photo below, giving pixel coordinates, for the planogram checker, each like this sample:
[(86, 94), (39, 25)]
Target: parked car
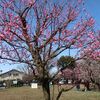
[(2, 85)]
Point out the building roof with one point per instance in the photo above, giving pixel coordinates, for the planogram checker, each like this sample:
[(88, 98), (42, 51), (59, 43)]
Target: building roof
[(12, 71)]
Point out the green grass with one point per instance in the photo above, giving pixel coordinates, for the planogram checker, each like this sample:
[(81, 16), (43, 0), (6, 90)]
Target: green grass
[(26, 93)]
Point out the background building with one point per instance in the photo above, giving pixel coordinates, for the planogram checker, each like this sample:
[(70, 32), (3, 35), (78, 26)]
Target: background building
[(12, 75)]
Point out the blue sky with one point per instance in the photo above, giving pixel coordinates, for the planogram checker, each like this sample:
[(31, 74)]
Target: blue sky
[(93, 8)]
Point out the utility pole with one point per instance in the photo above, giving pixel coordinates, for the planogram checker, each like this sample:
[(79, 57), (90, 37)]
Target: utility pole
[(69, 51)]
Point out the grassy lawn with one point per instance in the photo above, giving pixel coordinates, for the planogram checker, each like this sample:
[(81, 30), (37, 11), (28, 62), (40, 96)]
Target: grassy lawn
[(26, 93)]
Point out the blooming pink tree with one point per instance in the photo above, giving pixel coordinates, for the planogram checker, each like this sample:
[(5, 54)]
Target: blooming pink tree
[(88, 70), (93, 49), (36, 31)]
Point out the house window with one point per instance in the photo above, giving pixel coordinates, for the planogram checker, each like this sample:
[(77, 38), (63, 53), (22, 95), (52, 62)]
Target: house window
[(9, 74), (16, 74)]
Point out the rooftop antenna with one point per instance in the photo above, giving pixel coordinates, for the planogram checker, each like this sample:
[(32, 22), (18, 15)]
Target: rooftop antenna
[(69, 51)]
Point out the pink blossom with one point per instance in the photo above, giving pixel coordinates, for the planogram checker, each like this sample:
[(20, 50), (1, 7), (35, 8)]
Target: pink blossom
[(90, 22), (79, 1), (2, 36), (73, 14)]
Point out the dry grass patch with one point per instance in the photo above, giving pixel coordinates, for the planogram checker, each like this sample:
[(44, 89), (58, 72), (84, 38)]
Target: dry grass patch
[(26, 93)]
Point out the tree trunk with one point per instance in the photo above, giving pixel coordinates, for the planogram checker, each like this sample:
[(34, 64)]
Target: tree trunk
[(87, 85), (59, 95), (46, 89), (98, 87)]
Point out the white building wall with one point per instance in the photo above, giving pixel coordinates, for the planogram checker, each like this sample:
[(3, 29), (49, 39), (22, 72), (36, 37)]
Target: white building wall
[(11, 77)]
